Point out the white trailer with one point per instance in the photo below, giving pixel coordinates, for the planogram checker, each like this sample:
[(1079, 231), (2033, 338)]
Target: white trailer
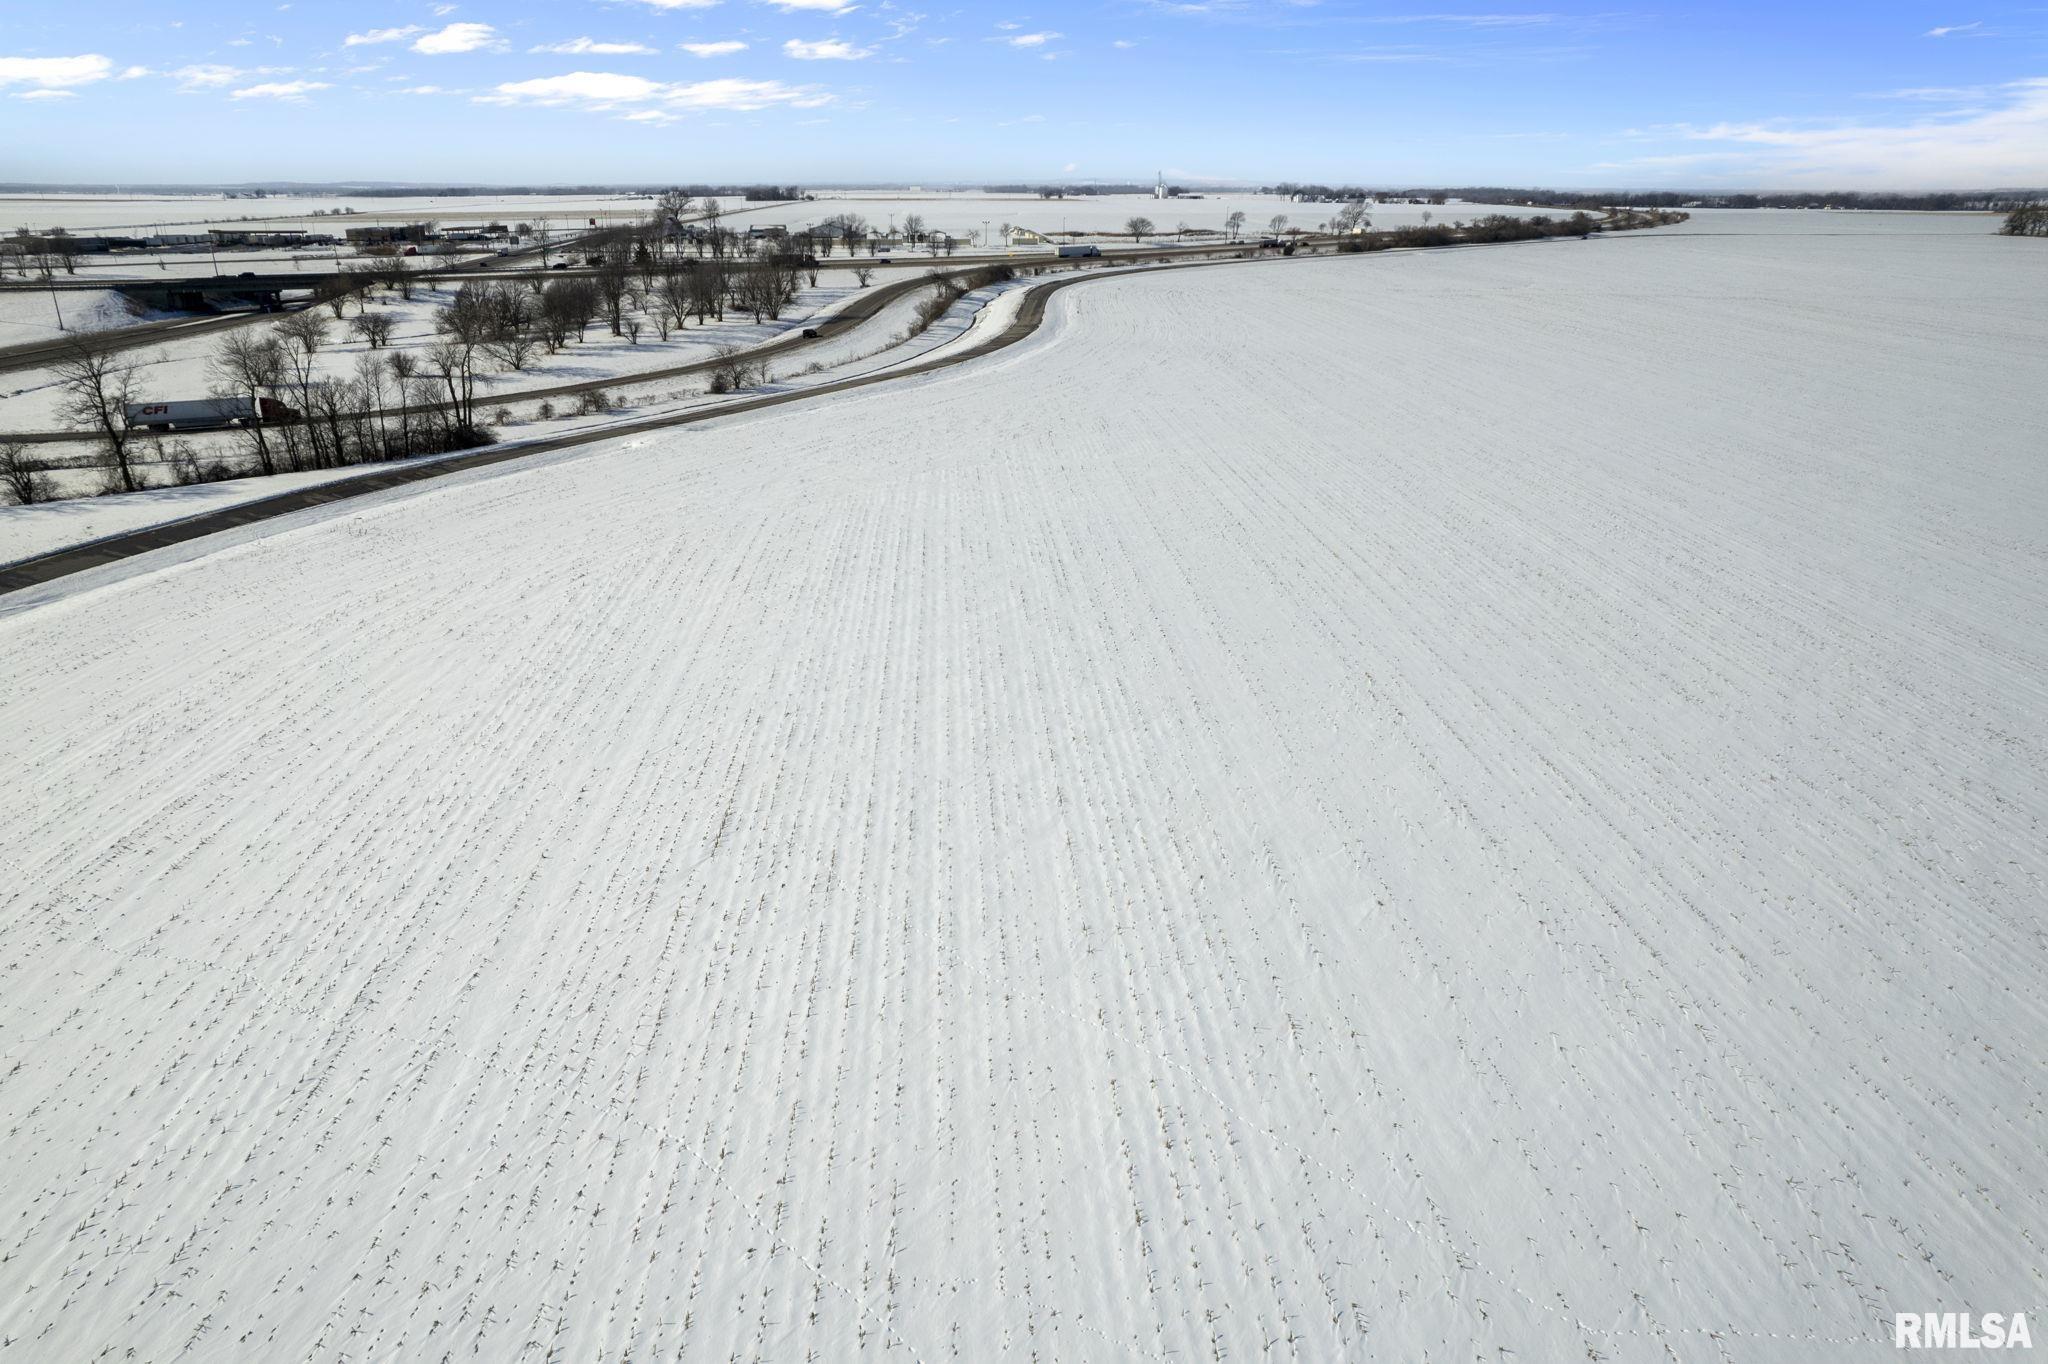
[(1080, 251), (205, 414)]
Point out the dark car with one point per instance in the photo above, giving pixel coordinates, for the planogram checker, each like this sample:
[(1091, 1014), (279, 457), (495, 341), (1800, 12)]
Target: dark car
[(811, 332)]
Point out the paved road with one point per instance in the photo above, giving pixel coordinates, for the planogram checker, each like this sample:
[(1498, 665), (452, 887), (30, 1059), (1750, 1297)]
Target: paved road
[(863, 308), (37, 354), (61, 563)]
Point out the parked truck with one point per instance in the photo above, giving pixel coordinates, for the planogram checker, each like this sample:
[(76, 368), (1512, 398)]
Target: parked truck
[(206, 414), (1079, 252)]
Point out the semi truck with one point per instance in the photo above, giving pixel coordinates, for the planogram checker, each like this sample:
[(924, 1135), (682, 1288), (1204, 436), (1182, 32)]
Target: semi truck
[(1076, 252), (206, 414)]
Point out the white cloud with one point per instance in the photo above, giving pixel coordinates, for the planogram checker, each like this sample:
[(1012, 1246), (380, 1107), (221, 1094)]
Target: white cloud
[(280, 90), (381, 35), (134, 73), (421, 90), (1947, 29), (609, 90), (1956, 149), (816, 6), (55, 73), (1031, 39), (459, 38), (1123, 43), (826, 50), (592, 45), (680, 4), (207, 76), (724, 49), (45, 94)]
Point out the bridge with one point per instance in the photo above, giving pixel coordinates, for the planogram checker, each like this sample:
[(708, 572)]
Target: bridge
[(218, 293)]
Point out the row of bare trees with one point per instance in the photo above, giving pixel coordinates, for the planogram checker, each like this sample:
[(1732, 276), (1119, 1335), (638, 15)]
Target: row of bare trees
[(400, 400)]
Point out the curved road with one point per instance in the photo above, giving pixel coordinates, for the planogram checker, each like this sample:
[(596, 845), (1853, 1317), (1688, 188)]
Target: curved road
[(1030, 315), (861, 309), (64, 562)]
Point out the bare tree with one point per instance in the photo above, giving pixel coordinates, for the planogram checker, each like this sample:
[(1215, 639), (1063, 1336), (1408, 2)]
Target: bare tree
[(863, 273), (335, 293), (1279, 224), (612, 282), (247, 366), (374, 328), (405, 369), (64, 247), (370, 382), (1138, 227), (96, 388), (307, 330), (452, 363), (1234, 224), (21, 475), (672, 301)]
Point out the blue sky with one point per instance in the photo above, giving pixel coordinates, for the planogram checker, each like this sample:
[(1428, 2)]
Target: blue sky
[(1872, 95)]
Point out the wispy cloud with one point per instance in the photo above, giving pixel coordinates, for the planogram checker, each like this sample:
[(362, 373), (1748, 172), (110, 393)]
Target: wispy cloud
[(1947, 29), (2006, 144), (825, 50), (720, 49), (381, 35), (679, 4), (55, 73), (459, 38), (291, 90), (593, 46), (610, 91), (815, 6), (44, 94), (210, 76), (1029, 39)]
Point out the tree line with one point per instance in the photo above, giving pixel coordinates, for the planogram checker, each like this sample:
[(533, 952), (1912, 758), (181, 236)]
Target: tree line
[(400, 401)]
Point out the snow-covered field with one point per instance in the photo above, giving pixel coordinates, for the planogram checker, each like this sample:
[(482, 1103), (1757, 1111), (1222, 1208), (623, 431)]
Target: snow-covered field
[(1474, 805)]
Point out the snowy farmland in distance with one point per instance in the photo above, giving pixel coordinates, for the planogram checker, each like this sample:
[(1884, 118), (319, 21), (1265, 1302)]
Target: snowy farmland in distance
[(1477, 804)]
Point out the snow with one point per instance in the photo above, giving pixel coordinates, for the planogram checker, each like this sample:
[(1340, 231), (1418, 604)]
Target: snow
[(26, 532), (1408, 806), (883, 342), (27, 316), (177, 369)]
